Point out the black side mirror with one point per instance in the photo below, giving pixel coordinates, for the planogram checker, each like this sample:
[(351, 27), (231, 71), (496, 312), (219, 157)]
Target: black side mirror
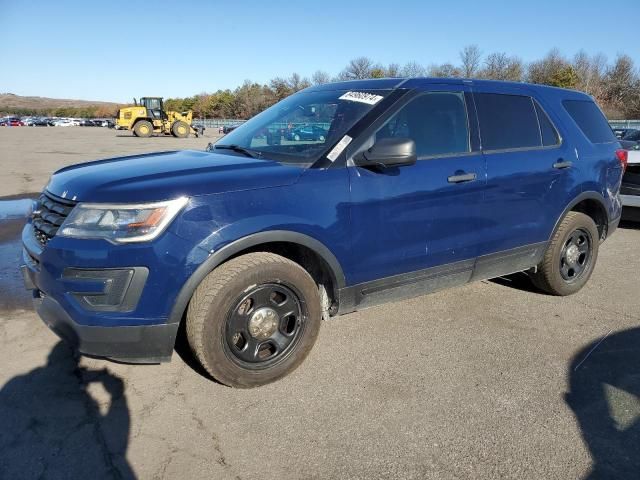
[(388, 152)]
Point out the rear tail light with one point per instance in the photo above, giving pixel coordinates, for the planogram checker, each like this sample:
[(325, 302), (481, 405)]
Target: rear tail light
[(623, 156)]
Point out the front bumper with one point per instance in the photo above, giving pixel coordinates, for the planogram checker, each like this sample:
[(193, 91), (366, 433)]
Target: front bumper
[(74, 299), (131, 344)]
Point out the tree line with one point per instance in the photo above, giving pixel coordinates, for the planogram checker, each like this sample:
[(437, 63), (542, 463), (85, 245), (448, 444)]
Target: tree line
[(614, 84)]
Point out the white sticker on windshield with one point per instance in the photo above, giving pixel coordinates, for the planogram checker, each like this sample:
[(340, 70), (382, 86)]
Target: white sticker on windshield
[(340, 146), (362, 97)]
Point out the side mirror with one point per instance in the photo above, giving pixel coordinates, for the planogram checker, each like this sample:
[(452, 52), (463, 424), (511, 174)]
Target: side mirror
[(388, 152)]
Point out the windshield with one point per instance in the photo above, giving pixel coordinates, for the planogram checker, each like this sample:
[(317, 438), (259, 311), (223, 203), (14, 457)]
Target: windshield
[(301, 127)]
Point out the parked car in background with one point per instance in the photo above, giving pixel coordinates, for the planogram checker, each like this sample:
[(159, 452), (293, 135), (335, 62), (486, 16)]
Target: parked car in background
[(64, 122), (630, 190), (11, 122), (229, 128), (247, 246), (631, 139), (307, 133), (88, 123), (103, 122), (36, 122), (621, 132), (632, 135), (199, 127)]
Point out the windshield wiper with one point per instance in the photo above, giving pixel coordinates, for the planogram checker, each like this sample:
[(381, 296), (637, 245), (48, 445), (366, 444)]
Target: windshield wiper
[(239, 149)]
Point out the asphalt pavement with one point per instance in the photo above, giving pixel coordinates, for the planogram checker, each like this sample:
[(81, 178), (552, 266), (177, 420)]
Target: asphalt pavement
[(489, 380)]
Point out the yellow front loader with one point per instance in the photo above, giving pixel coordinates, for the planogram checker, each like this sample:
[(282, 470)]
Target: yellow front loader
[(148, 117)]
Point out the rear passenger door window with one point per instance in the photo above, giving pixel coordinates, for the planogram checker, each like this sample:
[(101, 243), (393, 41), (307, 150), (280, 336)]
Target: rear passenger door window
[(436, 122), (507, 121)]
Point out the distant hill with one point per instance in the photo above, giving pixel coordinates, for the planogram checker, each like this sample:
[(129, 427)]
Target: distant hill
[(10, 103)]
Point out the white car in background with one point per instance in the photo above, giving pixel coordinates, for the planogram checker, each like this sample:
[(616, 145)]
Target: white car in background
[(63, 122), (630, 190)]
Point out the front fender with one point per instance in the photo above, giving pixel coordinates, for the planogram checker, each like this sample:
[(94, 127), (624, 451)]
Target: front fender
[(219, 256)]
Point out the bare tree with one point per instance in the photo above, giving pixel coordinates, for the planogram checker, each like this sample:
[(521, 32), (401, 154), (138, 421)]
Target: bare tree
[(542, 71), (590, 71), (470, 57), (622, 90), (358, 68), (320, 77), (297, 83), (393, 70), (446, 70), (500, 66), (413, 69)]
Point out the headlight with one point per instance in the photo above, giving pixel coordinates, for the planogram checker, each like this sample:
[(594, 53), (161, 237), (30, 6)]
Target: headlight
[(119, 222)]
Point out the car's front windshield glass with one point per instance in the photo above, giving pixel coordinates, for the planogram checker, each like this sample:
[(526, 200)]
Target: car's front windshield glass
[(301, 127)]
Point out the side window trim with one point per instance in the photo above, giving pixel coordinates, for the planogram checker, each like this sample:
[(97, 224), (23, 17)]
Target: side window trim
[(472, 121)]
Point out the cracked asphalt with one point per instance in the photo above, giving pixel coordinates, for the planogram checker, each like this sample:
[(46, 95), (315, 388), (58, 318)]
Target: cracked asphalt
[(489, 380)]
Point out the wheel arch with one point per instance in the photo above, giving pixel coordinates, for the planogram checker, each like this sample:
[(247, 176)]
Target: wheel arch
[(592, 204), (141, 119), (275, 241)]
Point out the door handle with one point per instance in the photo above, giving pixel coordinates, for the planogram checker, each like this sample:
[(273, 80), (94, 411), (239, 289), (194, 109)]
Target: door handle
[(461, 178), (560, 164)]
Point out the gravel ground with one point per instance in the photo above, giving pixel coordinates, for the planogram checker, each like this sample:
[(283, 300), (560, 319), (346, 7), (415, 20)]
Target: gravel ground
[(490, 380)]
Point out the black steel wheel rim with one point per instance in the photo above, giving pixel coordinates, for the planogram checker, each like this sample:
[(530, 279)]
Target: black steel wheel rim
[(576, 255), (264, 325)]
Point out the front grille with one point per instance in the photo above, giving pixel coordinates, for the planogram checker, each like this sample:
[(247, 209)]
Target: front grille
[(48, 214)]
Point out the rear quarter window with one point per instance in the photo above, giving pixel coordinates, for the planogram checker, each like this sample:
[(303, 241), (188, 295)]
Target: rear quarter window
[(590, 120)]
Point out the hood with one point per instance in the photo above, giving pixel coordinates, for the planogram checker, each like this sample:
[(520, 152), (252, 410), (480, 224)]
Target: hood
[(166, 175)]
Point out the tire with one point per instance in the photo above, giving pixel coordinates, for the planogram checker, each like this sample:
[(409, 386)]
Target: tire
[(296, 138), (180, 129), (321, 138), (143, 129), (565, 270), (223, 319)]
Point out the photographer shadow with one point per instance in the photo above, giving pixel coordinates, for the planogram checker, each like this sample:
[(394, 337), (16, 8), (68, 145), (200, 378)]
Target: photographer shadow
[(604, 395), (52, 427)]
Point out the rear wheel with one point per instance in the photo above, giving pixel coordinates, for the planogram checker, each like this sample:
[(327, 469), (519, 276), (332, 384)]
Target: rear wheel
[(254, 319), (180, 129), (570, 257), (143, 128)]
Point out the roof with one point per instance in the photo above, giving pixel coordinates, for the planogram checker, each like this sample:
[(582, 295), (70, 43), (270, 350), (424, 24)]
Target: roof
[(392, 83)]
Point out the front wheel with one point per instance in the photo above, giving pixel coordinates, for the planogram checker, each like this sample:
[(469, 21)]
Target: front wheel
[(570, 257), (254, 319), (143, 129)]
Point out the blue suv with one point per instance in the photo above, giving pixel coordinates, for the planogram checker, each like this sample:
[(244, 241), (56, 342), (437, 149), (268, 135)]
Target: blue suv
[(418, 185)]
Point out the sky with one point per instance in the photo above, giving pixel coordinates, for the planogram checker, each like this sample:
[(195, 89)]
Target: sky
[(115, 50)]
